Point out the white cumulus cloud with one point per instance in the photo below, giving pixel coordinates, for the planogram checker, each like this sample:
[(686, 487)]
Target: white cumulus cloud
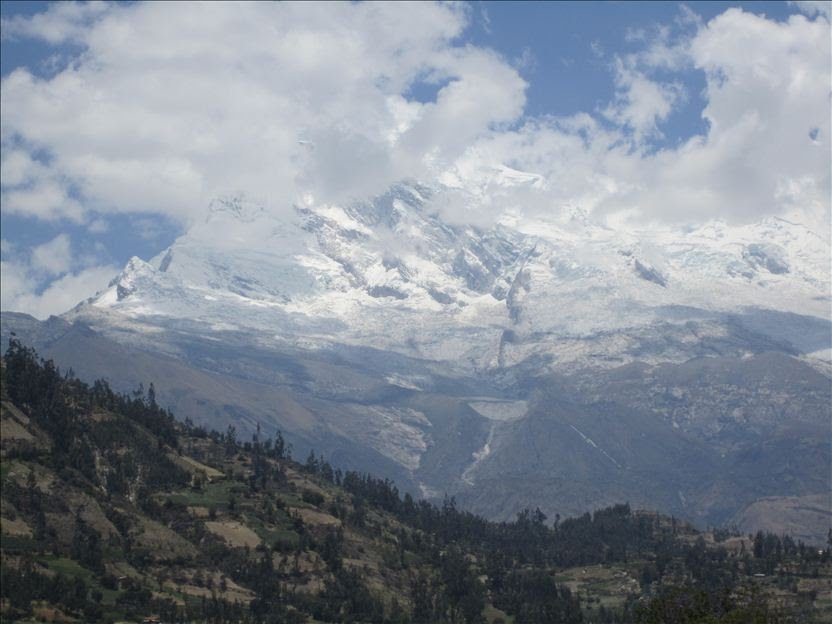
[(172, 104), (49, 278), (165, 106), (18, 289), (766, 150), (62, 22), (815, 7), (53, 257)]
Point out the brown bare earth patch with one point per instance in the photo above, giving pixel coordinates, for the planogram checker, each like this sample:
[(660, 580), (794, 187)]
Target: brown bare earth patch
[(122, 568), (19, 473), (8, 410), (16, 527), (199, 512), (311, 586), (316, 518), (201, 583), (236, 534), (17, 430), (162, 541), (306, 484), (195, 467), (806, 518), (89, 509), (737, 544), (99, 415), (306, 562), (10, 429), (50, 614)]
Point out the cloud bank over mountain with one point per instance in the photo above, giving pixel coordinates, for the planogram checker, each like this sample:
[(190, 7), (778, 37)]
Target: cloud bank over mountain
[(159, 108)]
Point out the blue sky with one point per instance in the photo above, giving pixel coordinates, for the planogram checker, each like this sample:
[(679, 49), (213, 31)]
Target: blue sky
[(571, 45), (631, 79)]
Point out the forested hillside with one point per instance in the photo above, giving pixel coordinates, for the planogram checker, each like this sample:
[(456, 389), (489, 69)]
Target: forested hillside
[(114, 511)]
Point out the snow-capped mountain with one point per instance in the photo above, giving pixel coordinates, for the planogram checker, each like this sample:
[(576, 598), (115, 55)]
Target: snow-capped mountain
[(534, 359), (393, 274)]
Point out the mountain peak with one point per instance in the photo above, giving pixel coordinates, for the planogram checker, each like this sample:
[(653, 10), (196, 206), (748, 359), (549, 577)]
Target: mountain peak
[(236, 207), (391, 274)]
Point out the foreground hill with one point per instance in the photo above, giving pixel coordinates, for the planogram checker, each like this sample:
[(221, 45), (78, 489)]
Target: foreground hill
[(112, 510)]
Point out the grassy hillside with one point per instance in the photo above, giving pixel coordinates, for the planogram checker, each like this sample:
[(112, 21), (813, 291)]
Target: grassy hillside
[(113, 511)]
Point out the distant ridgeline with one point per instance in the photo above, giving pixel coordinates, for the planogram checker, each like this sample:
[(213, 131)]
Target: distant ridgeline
[(112, 510)]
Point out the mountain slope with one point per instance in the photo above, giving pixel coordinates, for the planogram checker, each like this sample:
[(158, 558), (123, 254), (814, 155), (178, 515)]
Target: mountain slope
[(397, 337), (110, 509)]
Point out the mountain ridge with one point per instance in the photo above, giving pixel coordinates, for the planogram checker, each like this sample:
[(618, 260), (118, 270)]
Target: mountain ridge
[(402, 340)]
